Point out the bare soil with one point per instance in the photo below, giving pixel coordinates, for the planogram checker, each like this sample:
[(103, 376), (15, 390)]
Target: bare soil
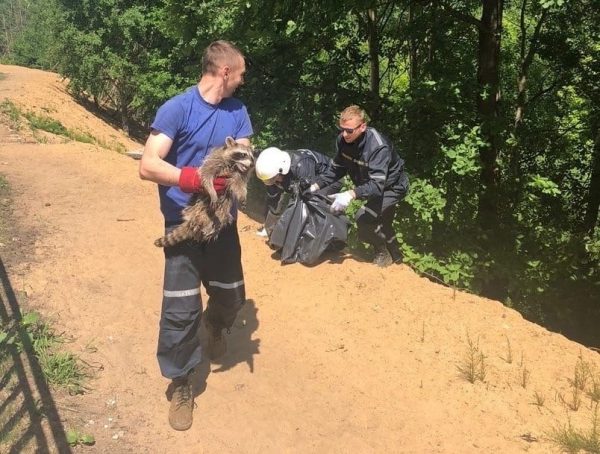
[(340, 357)]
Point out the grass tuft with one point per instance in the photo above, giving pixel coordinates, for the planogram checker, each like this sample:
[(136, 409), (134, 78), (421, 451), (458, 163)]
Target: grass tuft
[(63, 369), (473, 366), (572, 440), (76, 438), (49, 124), (594, 389), (525, 376), (8, 108), (59, 368), (539, 399), (575, 401), (46, 123), (582, 374)]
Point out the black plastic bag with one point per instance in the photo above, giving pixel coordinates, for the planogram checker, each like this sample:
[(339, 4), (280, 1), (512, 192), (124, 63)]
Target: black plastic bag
[(306, 229)]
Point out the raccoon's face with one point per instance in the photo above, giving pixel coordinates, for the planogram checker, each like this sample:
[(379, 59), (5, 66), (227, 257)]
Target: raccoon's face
[(241, 158)]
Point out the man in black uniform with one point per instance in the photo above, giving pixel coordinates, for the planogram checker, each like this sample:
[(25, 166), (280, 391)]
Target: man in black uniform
[(280, 170), (377, 171)]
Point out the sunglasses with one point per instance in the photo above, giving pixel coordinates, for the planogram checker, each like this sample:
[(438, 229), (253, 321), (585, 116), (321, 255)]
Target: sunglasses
[(348, 130)]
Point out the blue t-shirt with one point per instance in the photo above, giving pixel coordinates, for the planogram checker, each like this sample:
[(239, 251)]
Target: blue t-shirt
[(196, 127)]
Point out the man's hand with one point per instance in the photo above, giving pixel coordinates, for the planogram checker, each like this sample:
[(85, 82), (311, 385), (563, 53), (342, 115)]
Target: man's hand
[(303, 184), (341, 200), (190, 181)]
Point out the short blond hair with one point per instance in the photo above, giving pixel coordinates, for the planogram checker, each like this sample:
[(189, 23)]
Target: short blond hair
[(353, 111), (220, 53)]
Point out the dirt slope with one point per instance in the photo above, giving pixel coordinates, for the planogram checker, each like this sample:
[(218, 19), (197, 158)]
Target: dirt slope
[(342, 357)]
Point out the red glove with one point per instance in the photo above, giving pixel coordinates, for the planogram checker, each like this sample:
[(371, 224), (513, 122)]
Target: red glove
[(190, 181)]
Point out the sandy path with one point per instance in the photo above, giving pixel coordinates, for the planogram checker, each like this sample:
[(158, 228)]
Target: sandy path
[(342, 357)]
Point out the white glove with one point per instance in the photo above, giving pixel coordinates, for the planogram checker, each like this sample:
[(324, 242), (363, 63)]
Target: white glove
[(341, 200)]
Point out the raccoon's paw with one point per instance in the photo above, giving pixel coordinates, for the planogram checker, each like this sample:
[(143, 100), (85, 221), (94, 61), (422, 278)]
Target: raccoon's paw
[(213, 196), (159, 242)]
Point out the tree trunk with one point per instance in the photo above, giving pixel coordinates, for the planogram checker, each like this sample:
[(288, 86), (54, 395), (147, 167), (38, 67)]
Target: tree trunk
[(487, 107), (373, 39), (526, 60), (8, 41), (413, 46), (593, 202), (432, 36), (125, 120), (124, 113)]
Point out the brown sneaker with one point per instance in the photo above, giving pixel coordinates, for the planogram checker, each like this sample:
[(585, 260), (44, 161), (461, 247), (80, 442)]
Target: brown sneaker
[(182, 404), (217, 345)]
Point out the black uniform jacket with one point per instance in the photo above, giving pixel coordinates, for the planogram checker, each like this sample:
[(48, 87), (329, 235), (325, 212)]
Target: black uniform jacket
[(305, 164), (371, 163)]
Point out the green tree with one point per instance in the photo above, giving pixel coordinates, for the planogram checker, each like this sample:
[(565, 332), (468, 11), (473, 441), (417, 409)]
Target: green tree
[(116, 52), (36, 44)]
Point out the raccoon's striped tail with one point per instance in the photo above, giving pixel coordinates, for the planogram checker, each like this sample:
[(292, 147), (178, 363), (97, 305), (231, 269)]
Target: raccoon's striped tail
[(171, 239)]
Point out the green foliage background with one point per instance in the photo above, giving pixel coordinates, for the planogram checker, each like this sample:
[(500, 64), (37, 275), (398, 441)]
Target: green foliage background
[(414, 66)]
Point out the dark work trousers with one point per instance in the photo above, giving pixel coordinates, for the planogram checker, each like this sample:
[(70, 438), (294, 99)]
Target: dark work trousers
[(217, 266), (374, 222)]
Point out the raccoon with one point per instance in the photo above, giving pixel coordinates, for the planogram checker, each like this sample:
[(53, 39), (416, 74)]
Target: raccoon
[(208, 212)]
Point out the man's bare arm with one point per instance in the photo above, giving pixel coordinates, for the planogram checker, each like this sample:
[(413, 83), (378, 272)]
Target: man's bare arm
[(153, 167)]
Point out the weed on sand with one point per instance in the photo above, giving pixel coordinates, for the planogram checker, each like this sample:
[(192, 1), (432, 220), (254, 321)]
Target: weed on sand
[(473, 366), (573, 440)]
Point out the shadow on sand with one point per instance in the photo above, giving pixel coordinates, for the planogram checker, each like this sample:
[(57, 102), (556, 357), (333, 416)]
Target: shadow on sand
[(24, 393), (241, 348)]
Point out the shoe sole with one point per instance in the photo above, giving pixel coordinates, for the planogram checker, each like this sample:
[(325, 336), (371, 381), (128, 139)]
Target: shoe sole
[(180, 428)]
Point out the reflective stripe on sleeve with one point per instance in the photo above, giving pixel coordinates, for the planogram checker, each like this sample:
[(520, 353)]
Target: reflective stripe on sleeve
[(377, 136)]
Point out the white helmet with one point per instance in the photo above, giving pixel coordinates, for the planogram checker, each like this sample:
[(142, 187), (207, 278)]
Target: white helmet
[(272, 162)]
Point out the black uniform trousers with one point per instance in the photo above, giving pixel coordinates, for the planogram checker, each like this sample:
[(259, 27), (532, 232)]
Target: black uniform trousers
[(374, 222), (217, 266)]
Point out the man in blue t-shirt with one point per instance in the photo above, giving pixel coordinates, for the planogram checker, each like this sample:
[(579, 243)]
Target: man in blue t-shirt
[(185, 130)]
